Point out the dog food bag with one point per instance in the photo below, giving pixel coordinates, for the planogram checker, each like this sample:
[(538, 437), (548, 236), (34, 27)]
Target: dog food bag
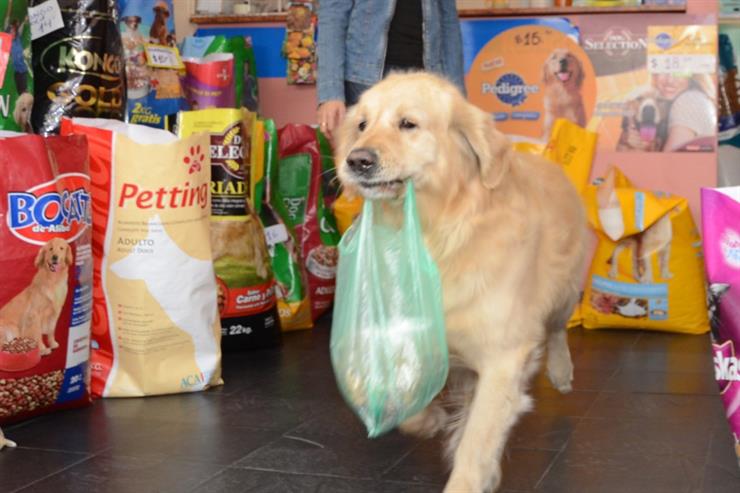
[(720, 210), (244, 71), (16, 76), (79, 66), (46, 265), (156, 328), (294, 306), (647, 270), (246, 286), (209, 81), (299, 186), (388, 345)]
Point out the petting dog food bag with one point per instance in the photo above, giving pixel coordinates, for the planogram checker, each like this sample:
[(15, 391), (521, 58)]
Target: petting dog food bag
[(46, 265), (156, 328), (78, 65), (16, 76), (246, 286), (647, 270), (388, 343)]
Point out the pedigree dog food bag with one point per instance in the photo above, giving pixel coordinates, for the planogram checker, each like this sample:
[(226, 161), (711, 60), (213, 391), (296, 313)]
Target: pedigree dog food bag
[(156, 328), (45, 275)]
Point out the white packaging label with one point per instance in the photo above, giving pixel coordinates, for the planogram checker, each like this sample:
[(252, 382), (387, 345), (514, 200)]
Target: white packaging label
[(276, 234), (45, 18)]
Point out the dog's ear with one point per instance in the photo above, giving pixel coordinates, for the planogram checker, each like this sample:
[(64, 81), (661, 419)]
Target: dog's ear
[(546, 72), (492, 149), (40, 257), (68, 258)]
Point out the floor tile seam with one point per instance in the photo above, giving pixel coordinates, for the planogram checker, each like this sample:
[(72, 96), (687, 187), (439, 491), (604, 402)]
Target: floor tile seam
[(301, 473), (209, 478), (55, 473)]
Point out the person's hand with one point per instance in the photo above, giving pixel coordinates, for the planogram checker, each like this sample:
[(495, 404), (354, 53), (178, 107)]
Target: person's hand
[(330, 115)]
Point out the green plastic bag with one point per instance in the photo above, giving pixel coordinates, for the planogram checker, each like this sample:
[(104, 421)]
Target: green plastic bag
[(388, 345)]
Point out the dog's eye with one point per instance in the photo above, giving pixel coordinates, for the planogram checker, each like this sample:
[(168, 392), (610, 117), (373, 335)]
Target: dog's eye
[(362, 126), (407, 124)]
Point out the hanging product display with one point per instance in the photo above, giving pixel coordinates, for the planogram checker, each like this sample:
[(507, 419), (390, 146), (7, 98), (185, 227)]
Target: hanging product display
[(299, 47)]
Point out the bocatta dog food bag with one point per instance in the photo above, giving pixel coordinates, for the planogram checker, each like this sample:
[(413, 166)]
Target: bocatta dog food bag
[(156, 328), (79, 68), (46, 266), (246, 286)]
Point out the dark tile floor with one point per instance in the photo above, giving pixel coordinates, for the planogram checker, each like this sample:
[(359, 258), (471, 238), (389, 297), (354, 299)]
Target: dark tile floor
[(644, 417)]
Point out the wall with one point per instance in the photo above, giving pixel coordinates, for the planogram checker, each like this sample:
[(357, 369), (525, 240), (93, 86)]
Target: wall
[(680, 173)]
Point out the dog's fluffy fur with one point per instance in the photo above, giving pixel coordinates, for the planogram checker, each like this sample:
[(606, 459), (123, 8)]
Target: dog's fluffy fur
[(507, 231), (562, 75), (33, 312)]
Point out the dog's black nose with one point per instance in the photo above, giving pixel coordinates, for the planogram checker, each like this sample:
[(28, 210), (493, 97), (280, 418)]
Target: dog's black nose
[(564, 65), (54, 258), (649, 114), (362, 161)]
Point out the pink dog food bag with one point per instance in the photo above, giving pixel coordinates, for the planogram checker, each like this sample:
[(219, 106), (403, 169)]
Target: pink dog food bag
[(46, 272), (720, 209)]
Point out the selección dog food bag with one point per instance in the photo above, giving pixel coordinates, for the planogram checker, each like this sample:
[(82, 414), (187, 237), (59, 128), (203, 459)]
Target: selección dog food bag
[(156, 328), (246, 286), (720, 210), (46, 271), (16, 76), (647, 270), (79, 67)]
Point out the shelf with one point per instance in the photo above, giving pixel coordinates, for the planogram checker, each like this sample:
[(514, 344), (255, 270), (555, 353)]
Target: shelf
[(238, 19), (464, 13), (539, 11)]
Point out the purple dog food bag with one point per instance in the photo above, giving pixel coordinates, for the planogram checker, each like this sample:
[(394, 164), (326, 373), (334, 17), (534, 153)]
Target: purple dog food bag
[(720, 210)]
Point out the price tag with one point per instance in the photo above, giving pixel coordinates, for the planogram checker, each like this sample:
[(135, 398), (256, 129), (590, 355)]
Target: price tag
[(159, 56), (276, 234), (682, 49), (5, 42), (45, 18)]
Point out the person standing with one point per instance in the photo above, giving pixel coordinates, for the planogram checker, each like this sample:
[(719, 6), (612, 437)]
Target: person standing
[(360, 42)]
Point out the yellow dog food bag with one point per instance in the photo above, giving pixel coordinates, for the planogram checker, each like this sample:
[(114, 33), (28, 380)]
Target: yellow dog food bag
[(572, 147), (647, 271)]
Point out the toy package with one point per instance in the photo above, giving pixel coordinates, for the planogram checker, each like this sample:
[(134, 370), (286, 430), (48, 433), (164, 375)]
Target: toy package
[(647, 270), (16, 76)]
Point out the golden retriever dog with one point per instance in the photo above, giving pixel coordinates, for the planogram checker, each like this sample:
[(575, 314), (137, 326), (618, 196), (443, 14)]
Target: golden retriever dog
[(158, 32), (562, 75), (242, 240), (645, 124), (507, 231), (22, 112), (33, 312)]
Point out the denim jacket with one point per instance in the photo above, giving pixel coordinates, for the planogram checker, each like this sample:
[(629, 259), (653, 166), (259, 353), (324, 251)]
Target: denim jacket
[(352, 42)]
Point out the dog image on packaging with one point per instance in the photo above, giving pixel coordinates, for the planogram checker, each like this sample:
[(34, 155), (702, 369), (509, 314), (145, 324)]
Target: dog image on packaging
[(507, 231)]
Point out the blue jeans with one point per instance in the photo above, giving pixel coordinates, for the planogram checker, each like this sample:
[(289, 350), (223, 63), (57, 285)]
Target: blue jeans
[(353, 91)]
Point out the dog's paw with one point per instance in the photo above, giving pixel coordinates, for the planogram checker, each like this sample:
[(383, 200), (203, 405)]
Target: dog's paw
[(425, 424), (561, 375), (45, 351), (4, 442)]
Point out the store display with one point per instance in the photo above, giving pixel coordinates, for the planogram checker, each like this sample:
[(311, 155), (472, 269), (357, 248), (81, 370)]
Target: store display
[(299, 47), (720, 209), (156, 328), (652, 78), (728, 153), (79, 68), (647, 271), (246, 286), (244, 71), (148, 32), (46, 265), (388, 346), (16, 76)]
